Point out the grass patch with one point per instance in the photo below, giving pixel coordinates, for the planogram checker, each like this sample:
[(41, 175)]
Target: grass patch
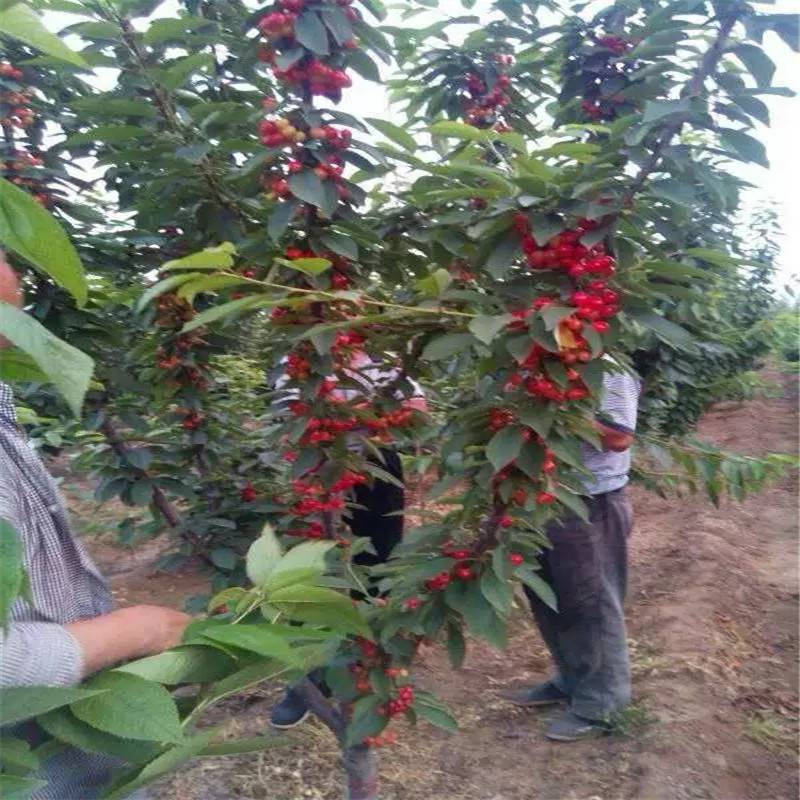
[(632, 721), (771, 731)]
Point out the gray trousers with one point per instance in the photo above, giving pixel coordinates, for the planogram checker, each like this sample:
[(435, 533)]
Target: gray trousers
[(587, 568)]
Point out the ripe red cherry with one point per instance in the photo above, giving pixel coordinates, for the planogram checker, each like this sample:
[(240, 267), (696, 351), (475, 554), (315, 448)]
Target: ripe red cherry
[(545, 498), (506, 521), (516, 559), (463, 573), (601, 326)]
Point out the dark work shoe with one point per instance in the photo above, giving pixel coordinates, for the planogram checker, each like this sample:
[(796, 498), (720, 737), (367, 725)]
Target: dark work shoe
[(543, 694), (288, 712), (569, 727)]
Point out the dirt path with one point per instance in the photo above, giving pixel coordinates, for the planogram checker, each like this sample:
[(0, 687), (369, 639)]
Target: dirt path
[(713, 616)]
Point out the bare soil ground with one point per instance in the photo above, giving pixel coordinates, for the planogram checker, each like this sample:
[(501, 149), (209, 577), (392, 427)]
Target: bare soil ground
[(713, 626)]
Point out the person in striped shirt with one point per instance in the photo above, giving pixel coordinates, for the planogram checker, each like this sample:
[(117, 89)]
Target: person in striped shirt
[(69, 629), (587, 569)]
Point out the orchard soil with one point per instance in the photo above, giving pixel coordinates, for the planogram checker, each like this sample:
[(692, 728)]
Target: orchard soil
[(713, 627)]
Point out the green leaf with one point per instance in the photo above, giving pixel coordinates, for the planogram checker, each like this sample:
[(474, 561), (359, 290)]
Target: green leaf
[(163, 764), (365, 720), (113, 107), (437, 716), (164, 286), (486, 328), (447, 345), (394, 132), (318, 604), (23, 23), (504, 254), (757, 63), (539, 417), (66, 727), (311, 266), (13, 787), (306, 555), (183, 664), (280, 218), (337, 23), (364, 65), (11, 568), (718, 257), (340, 244), (504, 446), (674, 190), (247, 677), (130, 707), (218, 257), (572, 501), (539, 586), (16, 756), (31, 232), (310, 188), (655, 110), (225, 310), (259, 639), (18, 703), (745, 146), (211, 283), (667, 331), (106, 134), (263, 556), (311, 33), (224, 558), (456, 645), (164, 30), (176, 75), (18, 366), (67, 368), (498, 592)]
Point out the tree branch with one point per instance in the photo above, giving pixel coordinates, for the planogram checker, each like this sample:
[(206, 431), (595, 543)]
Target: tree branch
[(160, 501), (316, 701), (707, 66)]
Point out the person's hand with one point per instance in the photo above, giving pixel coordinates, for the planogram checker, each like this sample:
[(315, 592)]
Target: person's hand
[(126, 634), (160, 627)]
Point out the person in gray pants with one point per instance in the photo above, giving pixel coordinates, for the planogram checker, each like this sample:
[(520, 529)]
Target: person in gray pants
[(587, 569)]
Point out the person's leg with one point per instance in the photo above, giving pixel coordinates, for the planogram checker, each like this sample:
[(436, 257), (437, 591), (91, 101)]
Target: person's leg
[(548, 623), (378, 520), (589, 569)]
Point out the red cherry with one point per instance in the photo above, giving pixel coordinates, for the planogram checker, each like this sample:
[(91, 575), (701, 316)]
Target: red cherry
[(601, 326), (545, 498), (516, 559)]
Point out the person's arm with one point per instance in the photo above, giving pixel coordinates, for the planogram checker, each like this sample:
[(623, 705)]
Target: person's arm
[(416, 404), (616, 418), (613, 439), (126, 634), (49, 654)]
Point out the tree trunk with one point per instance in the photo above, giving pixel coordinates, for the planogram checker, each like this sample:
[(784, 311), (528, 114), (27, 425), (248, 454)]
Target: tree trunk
[(361, 768)]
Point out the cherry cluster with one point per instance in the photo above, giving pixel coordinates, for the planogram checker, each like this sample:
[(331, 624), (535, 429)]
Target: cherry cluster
[(565, 251), (248, 493), (309, 74), (14, 109), (182, 357), (602, 99), (339, 275), (487, 95), (20, 167), (10, 71)]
